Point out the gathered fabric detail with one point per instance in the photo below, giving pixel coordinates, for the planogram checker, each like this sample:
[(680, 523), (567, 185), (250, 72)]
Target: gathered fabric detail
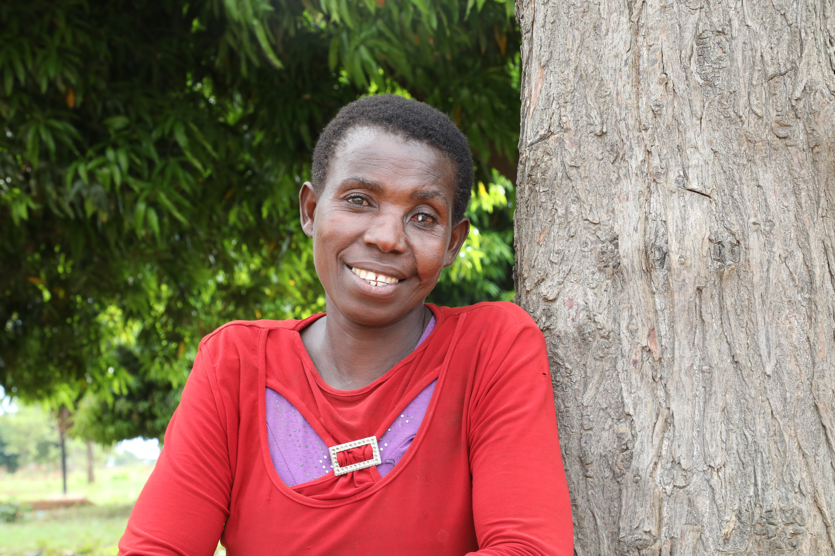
[(354, 455), (300, 456), (304, 416)]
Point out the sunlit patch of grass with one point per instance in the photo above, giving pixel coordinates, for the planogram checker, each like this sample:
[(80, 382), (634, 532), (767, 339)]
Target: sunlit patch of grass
[(80, 530), (88, 530), (113, 485), (75, 531)]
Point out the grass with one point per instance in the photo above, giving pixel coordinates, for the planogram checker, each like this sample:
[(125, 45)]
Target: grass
[(93, 530), (82, 530), (88, 530), (114, 485)]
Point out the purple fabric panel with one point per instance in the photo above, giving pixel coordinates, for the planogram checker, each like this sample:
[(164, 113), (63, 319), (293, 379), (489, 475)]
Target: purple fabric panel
[(300, 455), (397, 439), (429, 328)]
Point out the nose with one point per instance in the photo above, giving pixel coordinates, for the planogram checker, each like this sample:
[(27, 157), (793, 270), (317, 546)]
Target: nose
[(387, 233)]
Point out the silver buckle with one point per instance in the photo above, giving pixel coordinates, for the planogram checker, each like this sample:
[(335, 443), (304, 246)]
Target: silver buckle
[(337, 470)]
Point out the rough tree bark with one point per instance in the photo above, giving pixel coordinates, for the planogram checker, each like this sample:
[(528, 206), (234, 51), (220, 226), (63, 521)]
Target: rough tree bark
[(91, 463), (675, 242), (63, 414)]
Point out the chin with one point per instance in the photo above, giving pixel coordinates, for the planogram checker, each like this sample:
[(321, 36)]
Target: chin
[(375, 314)]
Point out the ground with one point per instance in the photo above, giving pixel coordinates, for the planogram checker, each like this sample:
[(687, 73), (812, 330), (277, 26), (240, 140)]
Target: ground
[(91, 530)]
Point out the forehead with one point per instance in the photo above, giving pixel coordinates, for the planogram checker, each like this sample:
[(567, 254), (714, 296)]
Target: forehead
[(377, 155)]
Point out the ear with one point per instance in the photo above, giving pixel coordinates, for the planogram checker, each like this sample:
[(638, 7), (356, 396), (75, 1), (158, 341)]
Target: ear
[(308, 200), (459, 233)]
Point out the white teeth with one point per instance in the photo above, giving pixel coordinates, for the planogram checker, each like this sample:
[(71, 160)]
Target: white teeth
[(374, 279)]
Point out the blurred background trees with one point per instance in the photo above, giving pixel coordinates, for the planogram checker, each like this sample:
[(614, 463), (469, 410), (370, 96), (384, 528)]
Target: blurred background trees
[(150, 158)]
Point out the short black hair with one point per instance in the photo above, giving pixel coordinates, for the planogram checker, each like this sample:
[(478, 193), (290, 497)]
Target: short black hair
[(404, 117)]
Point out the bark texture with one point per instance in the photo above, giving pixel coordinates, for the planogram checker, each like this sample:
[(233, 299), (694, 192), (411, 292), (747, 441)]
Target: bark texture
[(91, 463), (675, 242)]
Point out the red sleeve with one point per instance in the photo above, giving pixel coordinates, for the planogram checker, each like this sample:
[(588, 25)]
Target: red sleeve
[(520, 496), (184, 505)]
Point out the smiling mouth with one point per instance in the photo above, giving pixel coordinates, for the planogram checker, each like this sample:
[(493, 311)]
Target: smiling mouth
[(373, 278)]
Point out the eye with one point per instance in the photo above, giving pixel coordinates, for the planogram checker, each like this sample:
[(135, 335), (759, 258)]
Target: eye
[(423, 218), (358, 200)]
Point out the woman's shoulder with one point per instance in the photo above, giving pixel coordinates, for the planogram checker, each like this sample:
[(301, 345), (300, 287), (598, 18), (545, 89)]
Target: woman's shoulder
[(243, 335), (499, 314), (497, 341)]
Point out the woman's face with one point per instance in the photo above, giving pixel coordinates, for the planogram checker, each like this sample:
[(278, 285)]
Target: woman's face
[(382, 225)]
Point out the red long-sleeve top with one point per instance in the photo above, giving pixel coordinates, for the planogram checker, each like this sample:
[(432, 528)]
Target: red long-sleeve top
[(483, 475)]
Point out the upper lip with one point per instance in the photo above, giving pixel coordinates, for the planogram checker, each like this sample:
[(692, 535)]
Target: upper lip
[(376, 268)]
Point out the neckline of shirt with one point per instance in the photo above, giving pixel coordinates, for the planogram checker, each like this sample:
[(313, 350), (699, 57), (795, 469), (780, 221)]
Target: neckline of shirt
[(312, 372), (410, 452)]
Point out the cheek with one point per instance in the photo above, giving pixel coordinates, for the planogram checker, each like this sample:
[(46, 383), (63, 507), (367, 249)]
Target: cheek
[(429, 258), (330, 233), (326, 248)]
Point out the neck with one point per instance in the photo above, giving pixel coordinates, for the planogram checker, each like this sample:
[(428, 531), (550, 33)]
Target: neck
[(349, 355)]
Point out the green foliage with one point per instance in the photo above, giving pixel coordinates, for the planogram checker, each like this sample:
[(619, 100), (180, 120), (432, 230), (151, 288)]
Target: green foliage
[(119, 479), (76, 531), (11, 512), (139, 406), (169, 180), (30, 435), (150, 158), (8, 459), (486, 258)]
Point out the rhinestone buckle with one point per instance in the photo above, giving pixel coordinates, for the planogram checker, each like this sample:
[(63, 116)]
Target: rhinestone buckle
[(337, 470)]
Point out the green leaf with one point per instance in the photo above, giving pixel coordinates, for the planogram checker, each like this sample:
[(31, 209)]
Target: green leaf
[(70, 173), (180, 135), (139, 216), (122, 157), (170, 206), (191, 158), (115, 123), (261, 35), (8, 80), (89, 207), (333, 54), (18, 66), (345, 13), (103, 174), (33, 145), (82, 172), (153, 221), (46, 137), (202, 139), (43, 80), (232, 9)]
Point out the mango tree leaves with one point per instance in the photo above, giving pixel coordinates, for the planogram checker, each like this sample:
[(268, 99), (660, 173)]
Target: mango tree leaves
[(150, 158)]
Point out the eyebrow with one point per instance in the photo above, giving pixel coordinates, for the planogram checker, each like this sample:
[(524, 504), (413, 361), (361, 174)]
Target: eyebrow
[(432, 194), (368, 184)]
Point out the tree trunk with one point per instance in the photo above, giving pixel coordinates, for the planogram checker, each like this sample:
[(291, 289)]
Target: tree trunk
[(91, 463), (62, 434), (675, 241)]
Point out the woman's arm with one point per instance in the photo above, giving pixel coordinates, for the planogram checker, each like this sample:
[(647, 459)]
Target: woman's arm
[(184, 505), (520, 496)]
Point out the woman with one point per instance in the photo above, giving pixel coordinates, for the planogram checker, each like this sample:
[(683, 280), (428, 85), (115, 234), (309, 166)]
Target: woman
[(385, 426)]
